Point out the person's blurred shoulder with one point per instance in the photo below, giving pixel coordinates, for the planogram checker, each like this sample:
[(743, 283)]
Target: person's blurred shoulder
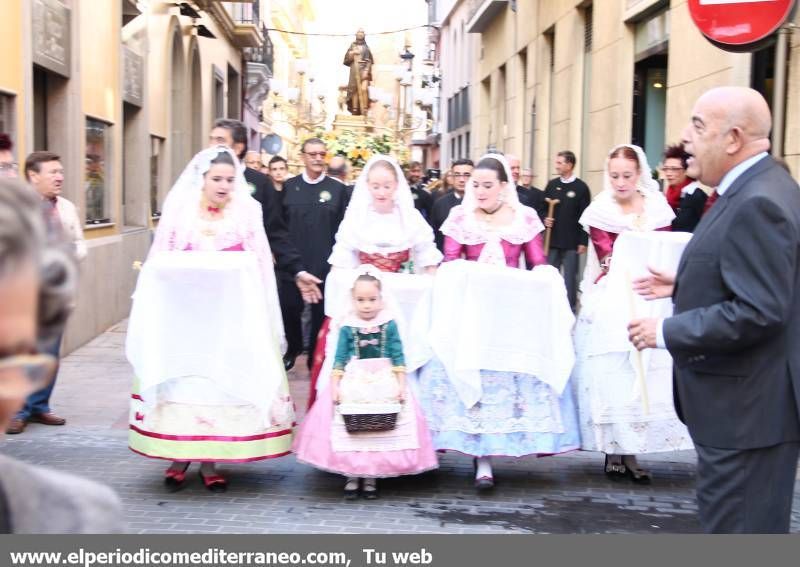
[(45, 501)]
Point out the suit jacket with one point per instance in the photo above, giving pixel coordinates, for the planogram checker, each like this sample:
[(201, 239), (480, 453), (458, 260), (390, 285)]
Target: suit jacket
[(533, 197), (734, 335), (689, 211), (36, 500), (287, 258), (422, 201)]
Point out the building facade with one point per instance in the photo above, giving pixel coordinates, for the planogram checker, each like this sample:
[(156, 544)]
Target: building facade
[(288, 49), (125, 92), (587, 75), (459, 55)]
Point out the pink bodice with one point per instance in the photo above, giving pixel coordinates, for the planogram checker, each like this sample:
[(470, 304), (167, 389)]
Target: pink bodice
[(533, 250)]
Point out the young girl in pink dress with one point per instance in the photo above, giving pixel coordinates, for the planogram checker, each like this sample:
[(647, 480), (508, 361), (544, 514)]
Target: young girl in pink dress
[(368, 372)]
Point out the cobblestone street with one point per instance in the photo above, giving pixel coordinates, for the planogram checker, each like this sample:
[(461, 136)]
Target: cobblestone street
[(565, 494)]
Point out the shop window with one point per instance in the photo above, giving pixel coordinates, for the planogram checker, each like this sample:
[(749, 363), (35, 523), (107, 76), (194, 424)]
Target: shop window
[(7, 116), (156, 160), (97, 176)]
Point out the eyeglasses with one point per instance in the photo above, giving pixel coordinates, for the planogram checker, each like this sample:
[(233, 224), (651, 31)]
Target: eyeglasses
[(9, 166), (22, 374), (318, 155), (672, 168)]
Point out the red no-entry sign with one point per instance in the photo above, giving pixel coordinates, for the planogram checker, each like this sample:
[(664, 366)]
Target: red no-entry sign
[(739, 25)]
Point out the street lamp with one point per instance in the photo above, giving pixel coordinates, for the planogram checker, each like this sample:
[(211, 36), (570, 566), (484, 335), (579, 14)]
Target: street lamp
[(291, 106)]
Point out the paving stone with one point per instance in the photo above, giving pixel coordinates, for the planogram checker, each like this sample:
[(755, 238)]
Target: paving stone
[(563, 494)]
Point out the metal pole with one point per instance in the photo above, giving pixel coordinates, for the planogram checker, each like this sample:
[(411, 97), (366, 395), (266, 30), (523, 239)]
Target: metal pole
[(779, 94)]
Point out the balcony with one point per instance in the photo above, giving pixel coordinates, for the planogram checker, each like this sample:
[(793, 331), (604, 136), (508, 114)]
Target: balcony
[(247, 28), (240, 20), (482, 13), (258, 71)]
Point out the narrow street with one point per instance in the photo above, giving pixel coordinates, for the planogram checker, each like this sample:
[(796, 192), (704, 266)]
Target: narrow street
[(565, 494)]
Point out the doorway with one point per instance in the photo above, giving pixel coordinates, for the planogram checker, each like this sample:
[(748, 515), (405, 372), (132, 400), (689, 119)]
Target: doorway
[(650, 105)]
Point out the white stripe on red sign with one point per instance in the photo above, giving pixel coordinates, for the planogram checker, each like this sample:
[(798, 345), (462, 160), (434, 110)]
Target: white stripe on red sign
[(713, 2)]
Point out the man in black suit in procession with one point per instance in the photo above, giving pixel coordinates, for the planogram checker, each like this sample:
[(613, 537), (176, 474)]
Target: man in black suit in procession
[(233, 134), (736, 324)]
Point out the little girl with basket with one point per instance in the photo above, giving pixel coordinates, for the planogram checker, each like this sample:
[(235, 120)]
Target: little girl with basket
[(366, 424)]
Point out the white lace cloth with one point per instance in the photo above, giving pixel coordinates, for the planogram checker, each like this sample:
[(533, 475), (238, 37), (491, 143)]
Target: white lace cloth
[(612, 413), (204, 314), (488, 317)]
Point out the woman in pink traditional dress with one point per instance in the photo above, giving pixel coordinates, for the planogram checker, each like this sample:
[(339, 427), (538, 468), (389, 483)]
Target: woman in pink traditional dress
[(517, 414), (210, 418), (381, 227), (611, 420)]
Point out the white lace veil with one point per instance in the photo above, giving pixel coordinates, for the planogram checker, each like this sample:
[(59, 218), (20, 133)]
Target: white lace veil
[(390, 308), (646, 183), (361, 202), (604, 212), (182, 202), (509, 195)]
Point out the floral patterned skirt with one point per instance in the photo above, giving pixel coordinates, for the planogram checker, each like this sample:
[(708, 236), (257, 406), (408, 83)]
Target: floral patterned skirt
[(188, 419), (517, 415)]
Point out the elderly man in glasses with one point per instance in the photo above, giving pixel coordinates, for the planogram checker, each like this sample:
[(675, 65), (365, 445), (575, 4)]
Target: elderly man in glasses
[(313, 206), (36, 291)]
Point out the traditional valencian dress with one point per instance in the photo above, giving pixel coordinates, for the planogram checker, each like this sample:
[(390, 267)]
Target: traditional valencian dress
[(400, 242), (205, 332), (492, 411), (614, 417), (323, 440)]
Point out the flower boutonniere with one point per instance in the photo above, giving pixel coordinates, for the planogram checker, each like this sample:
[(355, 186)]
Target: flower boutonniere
[(325, 196)]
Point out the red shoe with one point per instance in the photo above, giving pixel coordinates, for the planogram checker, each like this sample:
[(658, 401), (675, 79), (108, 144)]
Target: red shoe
[(174, 478), (215, 483)]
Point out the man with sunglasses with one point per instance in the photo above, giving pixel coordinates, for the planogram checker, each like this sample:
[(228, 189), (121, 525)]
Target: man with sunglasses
[(35, 298), (313, 205)]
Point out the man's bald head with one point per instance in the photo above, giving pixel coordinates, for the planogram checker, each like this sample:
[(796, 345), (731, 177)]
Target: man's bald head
[(253, 160), (514, 165), (728, 126), (742, 108), (337, 167)]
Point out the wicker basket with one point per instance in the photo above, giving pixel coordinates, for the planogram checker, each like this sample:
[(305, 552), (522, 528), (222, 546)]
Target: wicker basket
[(369, 417)]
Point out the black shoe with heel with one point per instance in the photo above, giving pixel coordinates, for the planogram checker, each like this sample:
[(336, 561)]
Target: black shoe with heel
[(616, 471)]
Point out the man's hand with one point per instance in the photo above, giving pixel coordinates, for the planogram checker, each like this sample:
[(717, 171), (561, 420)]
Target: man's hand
[(657, 285), (642, 333), (548, 222), (308, 284), (581, 249)]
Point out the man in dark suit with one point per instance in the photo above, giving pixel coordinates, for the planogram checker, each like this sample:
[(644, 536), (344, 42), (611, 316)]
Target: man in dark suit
[(233, 134), (736, 323)]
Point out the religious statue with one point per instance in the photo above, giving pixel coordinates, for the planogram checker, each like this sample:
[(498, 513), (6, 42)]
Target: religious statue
[(359, 59)]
